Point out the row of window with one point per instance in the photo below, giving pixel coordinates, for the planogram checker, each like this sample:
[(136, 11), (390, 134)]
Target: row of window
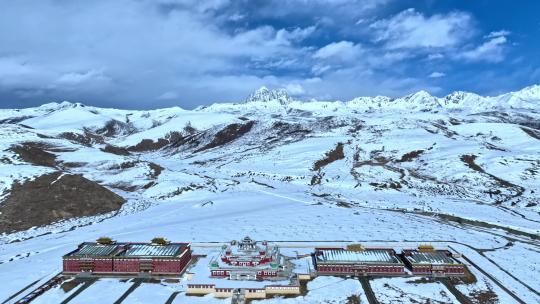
[(200, 286), (268, 272), (370, 269), (219, 272), (282, 287), (255, 290)]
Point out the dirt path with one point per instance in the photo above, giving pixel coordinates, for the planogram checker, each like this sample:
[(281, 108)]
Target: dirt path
[(132, 288), (173, 296), (494, 280), (370, 295), (87, 283), (21, 291), (459, 296)]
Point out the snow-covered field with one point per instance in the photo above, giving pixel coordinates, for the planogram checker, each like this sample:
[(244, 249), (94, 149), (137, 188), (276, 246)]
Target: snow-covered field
[(408, 290), (461, 176)]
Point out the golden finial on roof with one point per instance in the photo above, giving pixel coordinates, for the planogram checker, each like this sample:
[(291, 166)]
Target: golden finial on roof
[(158, 240), (105, 240), (355, 247), (426, 248)]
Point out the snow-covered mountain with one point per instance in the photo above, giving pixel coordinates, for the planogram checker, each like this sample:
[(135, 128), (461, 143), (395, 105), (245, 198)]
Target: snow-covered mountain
[(461, 168), (263, 94)]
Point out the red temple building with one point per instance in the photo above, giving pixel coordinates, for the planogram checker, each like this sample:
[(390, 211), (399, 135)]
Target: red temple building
[(246, 260), (427, 261), (160, 258), (359, 262)]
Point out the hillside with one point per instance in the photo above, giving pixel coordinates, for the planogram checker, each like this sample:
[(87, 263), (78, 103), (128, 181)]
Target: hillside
[(463, 167)]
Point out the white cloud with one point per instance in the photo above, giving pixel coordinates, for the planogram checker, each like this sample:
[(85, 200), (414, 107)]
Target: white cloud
[(76, 78), (159, 52), (437, 75), (135, 43), (169, 95), (342, 50), (497, 34), (490, 51), (298, 34), (236, 17), (411, 29), (13, 67), (435, 56), (294, 89)]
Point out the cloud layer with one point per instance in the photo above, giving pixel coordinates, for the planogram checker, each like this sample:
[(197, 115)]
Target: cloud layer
[(146, 54)]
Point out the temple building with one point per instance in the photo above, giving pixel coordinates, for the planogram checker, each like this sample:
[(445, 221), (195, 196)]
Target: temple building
[(357, 261), (256, 270), (105, 256), (426, 260), (247, 260)]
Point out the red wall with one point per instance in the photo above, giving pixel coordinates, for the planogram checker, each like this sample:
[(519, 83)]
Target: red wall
[(372, 269), (168, 266), (126, 265), (123, 265), (456, 269), (71, 266), (103, 265)]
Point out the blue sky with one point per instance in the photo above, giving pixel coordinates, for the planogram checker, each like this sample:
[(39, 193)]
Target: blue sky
[(150, 54)]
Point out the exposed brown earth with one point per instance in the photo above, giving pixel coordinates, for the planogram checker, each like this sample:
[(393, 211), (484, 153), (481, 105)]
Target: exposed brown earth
[(485, 297), (407, 157), (181, 190), (151, 145), (114, 127), (115, 150), (14, 120), (155, 170), (532, 133), (124, 165), (353, 299), (228, 134), (53, 197), (469, 160), (34, 153), (330, 157), (86, 139)]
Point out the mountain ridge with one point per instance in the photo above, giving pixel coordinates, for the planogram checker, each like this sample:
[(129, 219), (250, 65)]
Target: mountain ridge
[(279, 100)]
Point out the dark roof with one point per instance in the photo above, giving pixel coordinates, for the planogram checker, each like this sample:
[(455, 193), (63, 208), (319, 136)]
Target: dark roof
[(432, 257), (168, 250), (365, 256), (129, 250), (94, 249)]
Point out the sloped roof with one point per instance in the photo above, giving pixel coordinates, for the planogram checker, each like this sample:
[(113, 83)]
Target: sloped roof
[(434, 257), (169, 250), (95, 250), (365, 256)]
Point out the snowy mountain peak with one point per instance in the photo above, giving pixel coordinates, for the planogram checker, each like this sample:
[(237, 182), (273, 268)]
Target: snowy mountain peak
[(530, 92), (53, 106), (460, 98), (419, 96), (421, 100), (263, 94), (527, 98)]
